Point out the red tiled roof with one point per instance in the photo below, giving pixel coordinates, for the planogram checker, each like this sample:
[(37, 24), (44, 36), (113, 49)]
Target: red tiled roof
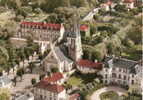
[(49, 25), (54, 78), (89, 64), (109, 3), (49, 87), (83, 27), (74, 97), (128, 1)]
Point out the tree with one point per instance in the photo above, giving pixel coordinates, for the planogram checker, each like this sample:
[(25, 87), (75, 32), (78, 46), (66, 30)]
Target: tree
[(20, 72), (54, 70), (15, 80), (31, 66), (21, 54), (120, 8), (1, 71), (135, 34), (110, 48), (33, 81), (4, 94)]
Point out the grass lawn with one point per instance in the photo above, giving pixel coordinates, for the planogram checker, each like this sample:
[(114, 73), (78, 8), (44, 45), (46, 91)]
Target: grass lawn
[(74, 81), (109, 96)]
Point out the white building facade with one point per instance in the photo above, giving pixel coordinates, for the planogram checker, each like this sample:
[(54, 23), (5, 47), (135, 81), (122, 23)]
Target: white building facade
[(121, 71)]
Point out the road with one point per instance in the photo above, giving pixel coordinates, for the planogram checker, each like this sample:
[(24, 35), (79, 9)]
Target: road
[(90, 15), (96, 94)]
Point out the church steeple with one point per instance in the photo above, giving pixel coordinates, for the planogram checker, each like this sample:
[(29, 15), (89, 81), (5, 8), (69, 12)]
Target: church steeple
[(74, 40)]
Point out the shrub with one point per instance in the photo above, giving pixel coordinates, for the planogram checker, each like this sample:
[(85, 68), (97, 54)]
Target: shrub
[(33, 81)]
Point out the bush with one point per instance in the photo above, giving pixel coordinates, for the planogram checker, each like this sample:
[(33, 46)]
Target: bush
[(54, 70), (33, 81)]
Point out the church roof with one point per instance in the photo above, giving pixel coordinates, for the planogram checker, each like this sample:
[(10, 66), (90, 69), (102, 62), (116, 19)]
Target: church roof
[(60, 55)]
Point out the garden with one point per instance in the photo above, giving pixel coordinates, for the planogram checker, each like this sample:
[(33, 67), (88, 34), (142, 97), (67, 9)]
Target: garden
[(110, 95)]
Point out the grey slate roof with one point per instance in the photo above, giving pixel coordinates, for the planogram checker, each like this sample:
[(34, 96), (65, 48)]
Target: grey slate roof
[(5, 80), (122, 63), (60, 55)]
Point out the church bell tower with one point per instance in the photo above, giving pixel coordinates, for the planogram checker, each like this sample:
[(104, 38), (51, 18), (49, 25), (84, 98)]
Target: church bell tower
[(74, 40)]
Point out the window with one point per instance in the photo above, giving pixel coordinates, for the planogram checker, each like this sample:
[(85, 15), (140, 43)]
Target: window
[(132, 81), (40, 96), (114, 69), (106, 81), (125, 70), (105, 75), (120, 70), (125, 77), (119, 76), (114, 75), (124, 82)]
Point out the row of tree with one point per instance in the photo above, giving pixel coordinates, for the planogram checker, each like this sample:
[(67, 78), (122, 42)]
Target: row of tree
[(11, 55)]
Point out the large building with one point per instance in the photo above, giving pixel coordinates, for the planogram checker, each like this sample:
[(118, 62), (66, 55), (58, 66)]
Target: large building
[(66, 53), (39, 31), (57, 59), (122, 71), (50, 88), (46, 91)]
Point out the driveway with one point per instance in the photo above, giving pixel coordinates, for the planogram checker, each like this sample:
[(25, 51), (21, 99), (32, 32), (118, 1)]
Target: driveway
[(96, 94)]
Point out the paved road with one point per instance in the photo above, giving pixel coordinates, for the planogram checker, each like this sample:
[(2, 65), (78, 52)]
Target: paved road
[(96, 94), (90, 14)]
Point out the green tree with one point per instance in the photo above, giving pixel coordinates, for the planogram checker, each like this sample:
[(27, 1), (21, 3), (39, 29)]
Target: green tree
[(54, 70), (20, 72), (120, 8), (33, 81), (15, 80), (31, 66), (4, 94)]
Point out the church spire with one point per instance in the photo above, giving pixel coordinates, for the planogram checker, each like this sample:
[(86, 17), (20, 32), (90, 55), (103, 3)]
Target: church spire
[(74, 40)]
